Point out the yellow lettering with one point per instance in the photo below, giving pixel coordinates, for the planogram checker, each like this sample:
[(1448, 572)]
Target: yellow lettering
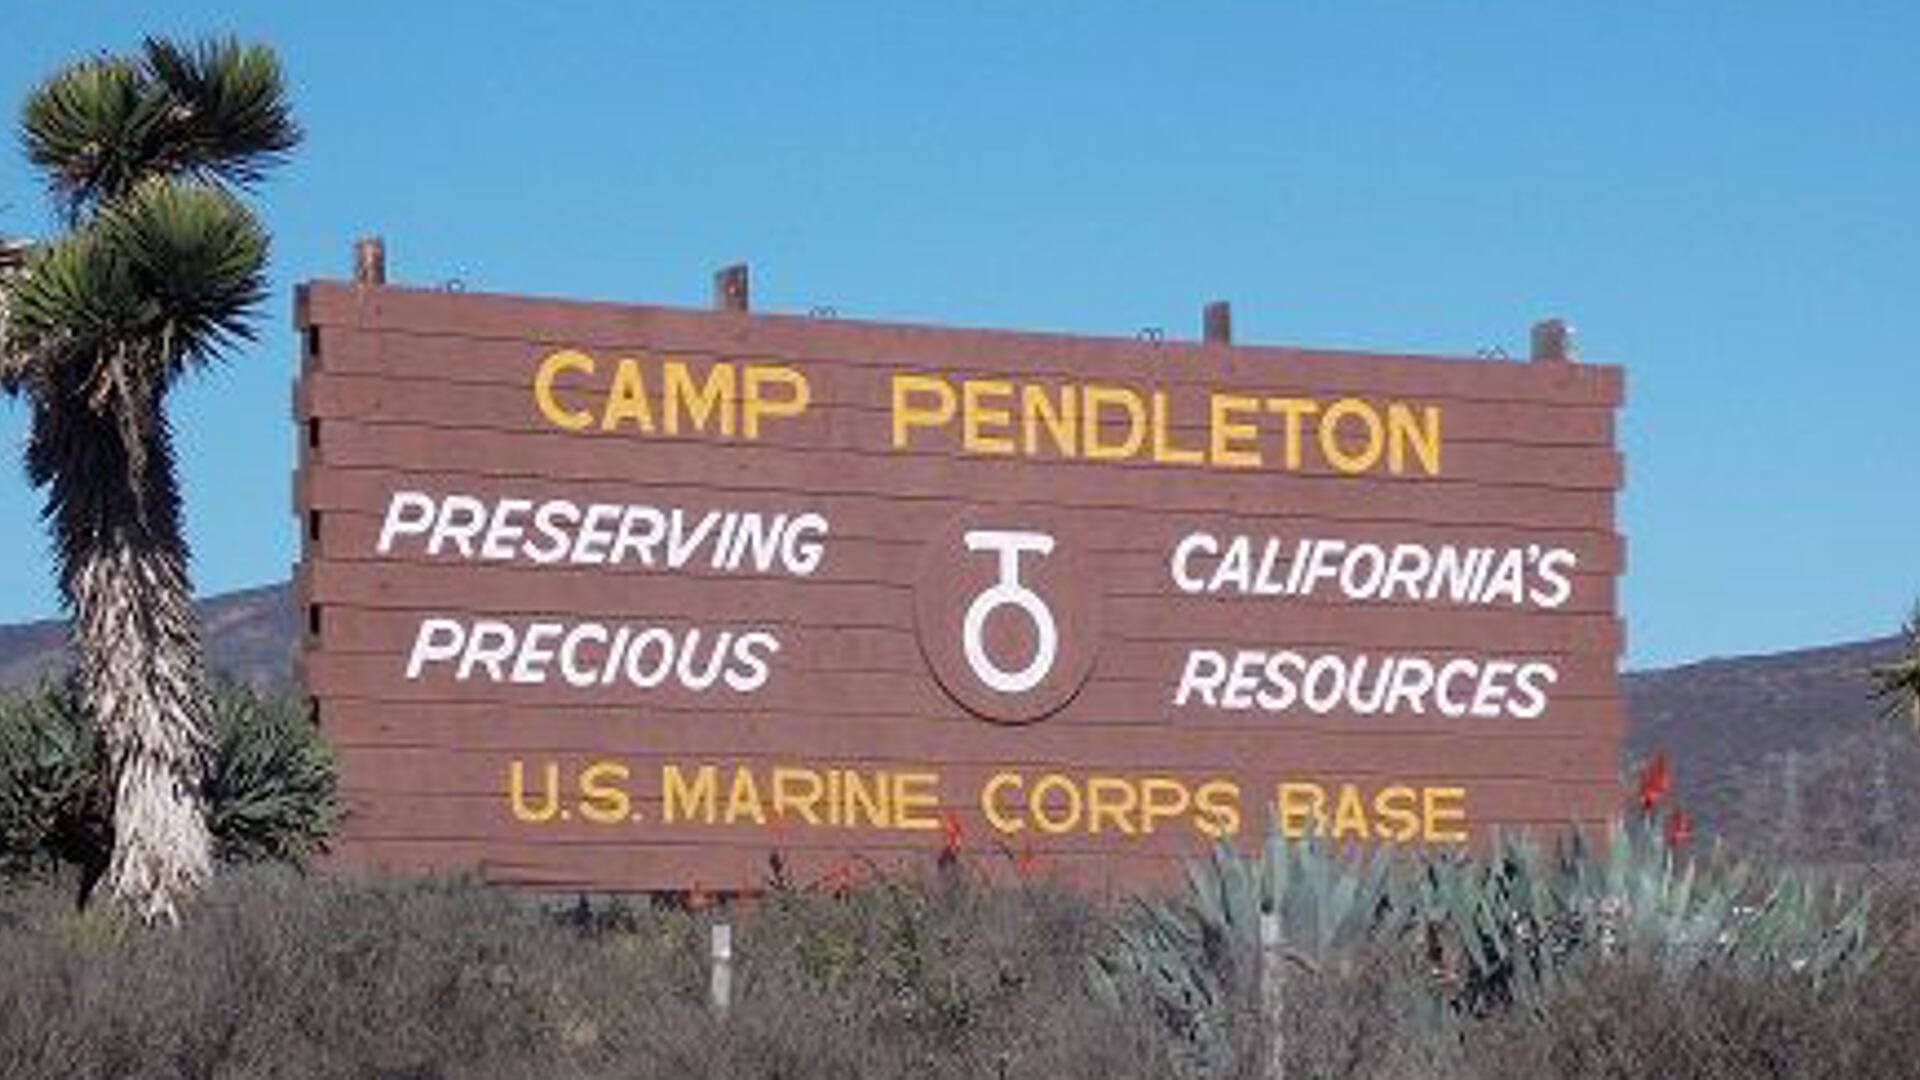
[(1037, 803), (1422, 435), (1445, 804), (517, 793), (1294, 411), (912, 792), (1061, 419), (743, 800), (1397, 809), (600, 799), (627, 399), (681, 801), (1162, 799), (975, 414), (755, 404), (798, 790), (908, 415), (1330, 447), (1302, 809), (1223, 430), (550, 368), (1163, 448), (1111, 800), (678, 392), (1218, 806), (1095, 398), (870, 801), (990, 802), (1349, 814)]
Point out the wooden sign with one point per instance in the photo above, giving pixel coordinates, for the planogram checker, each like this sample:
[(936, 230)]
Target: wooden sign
[(606, 596)]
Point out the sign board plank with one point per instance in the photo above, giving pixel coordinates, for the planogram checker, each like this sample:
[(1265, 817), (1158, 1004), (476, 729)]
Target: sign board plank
[(625, 597)]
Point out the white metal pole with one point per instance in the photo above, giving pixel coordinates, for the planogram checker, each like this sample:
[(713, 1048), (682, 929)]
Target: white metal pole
[(720, 989)]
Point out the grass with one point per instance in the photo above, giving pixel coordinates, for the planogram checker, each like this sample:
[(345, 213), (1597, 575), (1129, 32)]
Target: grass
[(925, 975)]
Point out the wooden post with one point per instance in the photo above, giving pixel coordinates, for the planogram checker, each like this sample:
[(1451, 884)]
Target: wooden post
[(730, 288), (369, 261), (1553, 341), (1217, 323), (1273, 997), (720, 987)]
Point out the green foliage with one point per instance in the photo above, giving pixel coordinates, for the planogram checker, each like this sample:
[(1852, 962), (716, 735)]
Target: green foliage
[(213, 112), (271, 786), (183, 264), (278, 974), (271, 791), (163, 267), (47, 781), (1495, 933), (1195, 957)]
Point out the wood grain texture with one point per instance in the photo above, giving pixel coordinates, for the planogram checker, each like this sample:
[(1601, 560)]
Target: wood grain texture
[(406, 390)]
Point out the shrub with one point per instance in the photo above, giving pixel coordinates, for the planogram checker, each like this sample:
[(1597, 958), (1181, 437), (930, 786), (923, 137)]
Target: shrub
[(930, 975), (271, 785), (50, 805), (1473, 935), (272, 974), (271, 790)]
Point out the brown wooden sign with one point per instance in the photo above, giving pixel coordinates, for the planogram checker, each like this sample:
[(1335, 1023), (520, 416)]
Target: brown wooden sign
[(607, 596)]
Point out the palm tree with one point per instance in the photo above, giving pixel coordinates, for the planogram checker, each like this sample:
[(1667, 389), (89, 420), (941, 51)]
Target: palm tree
[(1899, 682), (160, 270)]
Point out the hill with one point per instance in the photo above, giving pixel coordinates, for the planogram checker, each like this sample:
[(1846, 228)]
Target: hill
[(1782, 752), (250, 634), (1785, 752)]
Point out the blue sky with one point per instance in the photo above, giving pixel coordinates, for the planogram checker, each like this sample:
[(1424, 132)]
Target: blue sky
[(1721, 196)]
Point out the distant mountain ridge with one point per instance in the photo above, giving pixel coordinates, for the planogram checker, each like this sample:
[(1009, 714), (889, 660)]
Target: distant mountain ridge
[(1782, 753), (249, 634)]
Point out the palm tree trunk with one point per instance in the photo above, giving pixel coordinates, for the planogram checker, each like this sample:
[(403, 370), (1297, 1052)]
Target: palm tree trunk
[(140, 660), (123, 575)]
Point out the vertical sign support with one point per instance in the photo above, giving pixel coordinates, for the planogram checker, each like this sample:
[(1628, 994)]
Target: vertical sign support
[(1553, 342), (720, 988), (370, 261), (730, 288), (1217, 323), (1273, 994)]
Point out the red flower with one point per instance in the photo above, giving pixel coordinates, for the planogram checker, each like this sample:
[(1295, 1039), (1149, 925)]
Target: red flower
[(839, 878), (1653, 782), (951, 832), (1025, 862), (1679, 828)]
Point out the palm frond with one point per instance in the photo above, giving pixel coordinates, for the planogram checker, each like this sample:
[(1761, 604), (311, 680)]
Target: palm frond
[(216, 111), (199, 257), (1899, 682), (227, 114), (160, 281), (74, 296), (92, 128)]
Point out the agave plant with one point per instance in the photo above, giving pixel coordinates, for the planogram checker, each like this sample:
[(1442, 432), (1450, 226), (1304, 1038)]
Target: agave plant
[(160, 271), (272, 789), (1189, 956), (1500, 928), (48, 786)]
